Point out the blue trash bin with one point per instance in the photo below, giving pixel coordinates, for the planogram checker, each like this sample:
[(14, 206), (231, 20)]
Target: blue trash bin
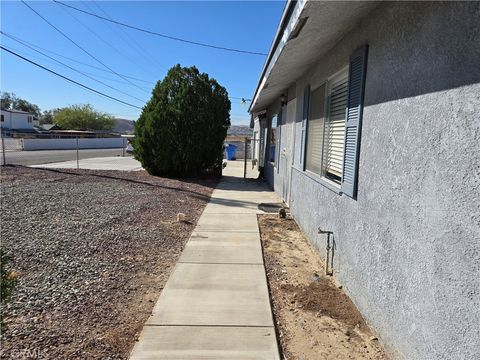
[(231, 152)]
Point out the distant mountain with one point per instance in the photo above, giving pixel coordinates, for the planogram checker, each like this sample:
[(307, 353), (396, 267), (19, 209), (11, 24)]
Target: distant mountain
[(123, 126), (239, 130)]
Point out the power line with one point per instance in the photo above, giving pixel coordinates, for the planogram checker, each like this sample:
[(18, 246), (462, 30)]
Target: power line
[(23, 41), (33, 46), (128, 39), (68, 11), (239, 98), (68, 79), (80, 62), (80, 47), (160, 34), (70, 67)]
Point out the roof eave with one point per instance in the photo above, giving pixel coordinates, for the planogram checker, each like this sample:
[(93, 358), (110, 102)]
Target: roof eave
[(278, 44)]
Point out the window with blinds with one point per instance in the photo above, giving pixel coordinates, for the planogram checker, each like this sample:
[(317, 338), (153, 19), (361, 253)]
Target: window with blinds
[(326, 127), (315, 126), (335, 126)]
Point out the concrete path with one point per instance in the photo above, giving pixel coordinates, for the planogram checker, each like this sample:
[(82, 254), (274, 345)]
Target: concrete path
[(126, 163), (215, 304)]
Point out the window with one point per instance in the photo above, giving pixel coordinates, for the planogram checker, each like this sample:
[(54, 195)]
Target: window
[(315, 126), (273, 139), (326, 127), (29, 119), (2, 118), (334, 125)]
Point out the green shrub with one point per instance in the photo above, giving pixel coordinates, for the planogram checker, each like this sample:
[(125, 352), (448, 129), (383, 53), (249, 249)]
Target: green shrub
[(182, 128)]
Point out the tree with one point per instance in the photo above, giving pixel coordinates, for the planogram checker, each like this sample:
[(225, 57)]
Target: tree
[(48, 116), (11, 101), (83, 117), (183, 126), (6, 102)]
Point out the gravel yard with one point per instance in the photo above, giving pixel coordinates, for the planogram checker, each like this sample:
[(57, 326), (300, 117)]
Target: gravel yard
[(93, 250)]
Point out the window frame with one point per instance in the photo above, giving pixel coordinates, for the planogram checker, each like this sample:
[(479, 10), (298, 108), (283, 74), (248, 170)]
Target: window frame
[(275, 137)]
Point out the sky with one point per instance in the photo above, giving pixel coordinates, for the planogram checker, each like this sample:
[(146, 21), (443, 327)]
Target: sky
[(241, 25)]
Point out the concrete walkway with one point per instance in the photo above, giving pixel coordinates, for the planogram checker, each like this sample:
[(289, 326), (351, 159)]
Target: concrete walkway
[(215, 304)]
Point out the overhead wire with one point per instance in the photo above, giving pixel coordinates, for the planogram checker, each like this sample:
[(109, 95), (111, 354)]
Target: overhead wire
[(33, 46), (69, 12), (68, 79), (123, 77), (79, 46), (70, 67), (127, 38), (83, 63), (161, 34)]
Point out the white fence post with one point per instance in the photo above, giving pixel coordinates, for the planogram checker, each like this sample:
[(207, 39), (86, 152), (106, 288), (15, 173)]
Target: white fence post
[(78, 166)]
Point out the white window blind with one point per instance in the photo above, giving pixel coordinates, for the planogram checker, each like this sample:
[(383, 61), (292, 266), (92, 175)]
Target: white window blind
[(335, 125), (315, 128)]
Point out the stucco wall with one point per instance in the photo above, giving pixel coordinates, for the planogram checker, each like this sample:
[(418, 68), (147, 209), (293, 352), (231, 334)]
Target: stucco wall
[(408, 249)]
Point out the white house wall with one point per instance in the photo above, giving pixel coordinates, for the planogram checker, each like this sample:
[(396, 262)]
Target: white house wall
[(14, 120)]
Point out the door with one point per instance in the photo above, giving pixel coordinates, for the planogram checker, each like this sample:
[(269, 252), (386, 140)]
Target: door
[(288, 146)]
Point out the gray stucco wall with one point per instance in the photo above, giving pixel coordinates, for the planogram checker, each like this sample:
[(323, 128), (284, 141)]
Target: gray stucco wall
[(408, 249)]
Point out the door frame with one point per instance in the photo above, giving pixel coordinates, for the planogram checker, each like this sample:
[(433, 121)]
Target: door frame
[(288, 151)]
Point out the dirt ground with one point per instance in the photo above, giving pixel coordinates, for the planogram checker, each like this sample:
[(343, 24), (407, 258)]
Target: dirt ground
[(92, 249), (315, 319)]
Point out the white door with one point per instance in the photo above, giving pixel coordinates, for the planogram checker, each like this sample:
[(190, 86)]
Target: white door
[(288, 147)]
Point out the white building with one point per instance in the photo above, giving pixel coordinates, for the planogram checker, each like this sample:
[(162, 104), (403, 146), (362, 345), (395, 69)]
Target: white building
[(16, 120)]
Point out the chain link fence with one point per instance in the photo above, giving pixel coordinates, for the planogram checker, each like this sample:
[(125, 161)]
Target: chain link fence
[(73, 151), (95, 152)]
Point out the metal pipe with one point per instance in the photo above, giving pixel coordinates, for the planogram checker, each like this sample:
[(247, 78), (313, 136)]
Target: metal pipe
[(328, 271)]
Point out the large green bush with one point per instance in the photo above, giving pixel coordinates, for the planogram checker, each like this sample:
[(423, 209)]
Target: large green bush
[(183, 126)]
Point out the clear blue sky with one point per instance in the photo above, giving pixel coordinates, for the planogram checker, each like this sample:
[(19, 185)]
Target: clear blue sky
[(244, 25)]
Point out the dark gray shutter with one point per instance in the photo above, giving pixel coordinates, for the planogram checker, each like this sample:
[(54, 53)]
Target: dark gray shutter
[(303, 144), (353, 121)]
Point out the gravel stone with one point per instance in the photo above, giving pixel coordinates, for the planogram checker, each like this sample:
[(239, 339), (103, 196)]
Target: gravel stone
[(93, 250)]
